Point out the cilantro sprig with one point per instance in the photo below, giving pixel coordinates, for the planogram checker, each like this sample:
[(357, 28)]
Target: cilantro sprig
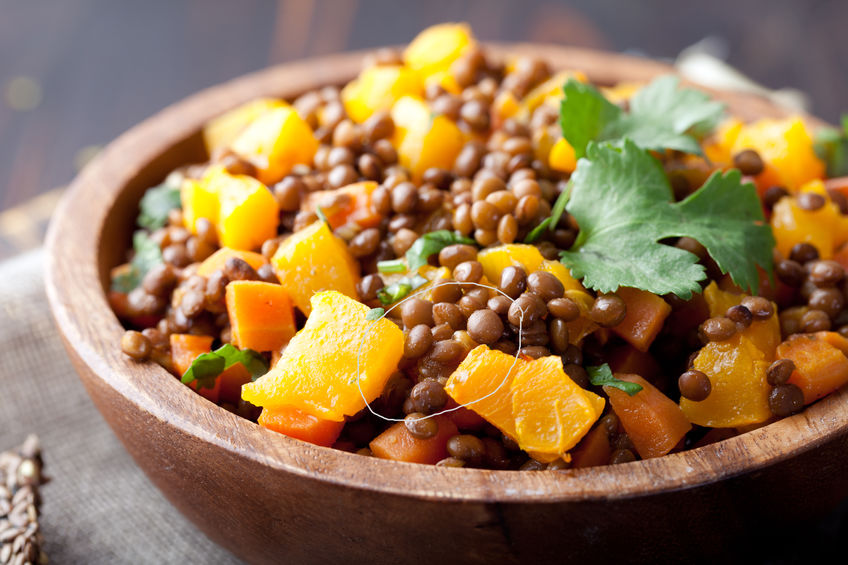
[(661, 116), (421, 250), (207, 366), (601, 375), (832, 147), (147, 255), (156, 205), (622, 200)]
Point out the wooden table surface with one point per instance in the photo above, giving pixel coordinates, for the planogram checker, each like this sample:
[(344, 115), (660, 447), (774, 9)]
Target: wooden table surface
[(74, 74)]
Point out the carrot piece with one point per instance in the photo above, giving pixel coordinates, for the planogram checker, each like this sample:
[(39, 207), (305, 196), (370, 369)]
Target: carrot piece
[(835, 339), (217, 260), (593, 450), (653, 421), (820, 367), (185, 348), (295, 423), (351, 203), (646, 313), (230, 382), (397, 444), (261, 315)]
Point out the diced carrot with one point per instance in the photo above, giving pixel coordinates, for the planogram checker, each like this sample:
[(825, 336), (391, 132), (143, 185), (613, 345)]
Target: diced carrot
[(628, 359), (835, 339), (397, 444), (295, 423), (230, 382), (653, 421), (217, 260), (644, 319), (820, 367), (593, 450), (261, 315), (351, 203), (185, 348)]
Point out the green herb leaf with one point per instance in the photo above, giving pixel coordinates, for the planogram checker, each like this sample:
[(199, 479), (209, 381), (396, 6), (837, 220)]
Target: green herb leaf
[(537, 232), (831, 146), (559, 206), (622, 200), (661, 116), (602, 376), (156, 204), (431, 243), (375, 314), (147, 255), (400, 289), (207, 366), (393, 266), (322, 216)]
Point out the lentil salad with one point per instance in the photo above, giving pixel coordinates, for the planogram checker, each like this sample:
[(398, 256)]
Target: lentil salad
[(449, 184)]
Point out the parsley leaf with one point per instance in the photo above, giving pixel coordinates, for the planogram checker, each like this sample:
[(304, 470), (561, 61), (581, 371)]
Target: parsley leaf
[(147, 255), (622, 200), (400, 289), (207, 366), (831, 146), (156, 204), (661, 116), (430, 243), (602, 376)]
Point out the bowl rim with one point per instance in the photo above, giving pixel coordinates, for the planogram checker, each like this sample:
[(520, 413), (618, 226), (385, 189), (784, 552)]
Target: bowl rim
[(91, 331)]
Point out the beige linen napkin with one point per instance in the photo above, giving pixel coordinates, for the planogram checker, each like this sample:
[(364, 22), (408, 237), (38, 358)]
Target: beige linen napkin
[(99, 507)]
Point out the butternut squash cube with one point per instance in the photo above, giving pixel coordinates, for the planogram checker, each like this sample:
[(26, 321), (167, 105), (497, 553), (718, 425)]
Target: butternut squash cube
[(218, 260), (424, 140), (821, 366), (824, 228), (644, 318), (317, 372), (275, 142), (378, 88), (261, 315), (739, 396), (437, 47), (529, 258), (198, 201), (562, 157), (312, 260), (221, 131)]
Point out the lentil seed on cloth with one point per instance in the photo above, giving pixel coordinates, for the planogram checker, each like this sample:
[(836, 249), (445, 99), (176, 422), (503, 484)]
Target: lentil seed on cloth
[(98, 507)]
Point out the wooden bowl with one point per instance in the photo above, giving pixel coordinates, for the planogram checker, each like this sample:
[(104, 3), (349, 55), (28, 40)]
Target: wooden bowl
[(271, 499)]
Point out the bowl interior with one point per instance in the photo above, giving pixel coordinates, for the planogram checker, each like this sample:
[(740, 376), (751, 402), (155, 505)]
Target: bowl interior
[(91, 232)]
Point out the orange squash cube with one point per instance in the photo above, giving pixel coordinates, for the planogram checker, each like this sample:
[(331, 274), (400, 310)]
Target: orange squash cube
[(820, 367), (295, 423), (644, 317), (261, 315)]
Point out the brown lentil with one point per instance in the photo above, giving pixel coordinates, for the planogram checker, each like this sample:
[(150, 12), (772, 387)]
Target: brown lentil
[(451, 462), (237, 269), (831, 301), (810, 201), (417, 311), (421, 427), (717, 329), (526, 309), (779, 372), (564, 308), (761, 308), (467, 447), (513, 281), (368, 287), (608, 310), (445, 291), (544, 285), (442, 332), (527, 209), (417, 342), (403, 240), (453, 255), (748, 162), (160, 280), (369, 166), (577, 374), (814, 321), (475, 113), (469, 304), (826, 273), (379, 126), (790, 272), (785, 399), (499, 304), (559, 335), (740, 315), (694, 385), (428, 396), (485, 326), (803, 253), (136, 345)]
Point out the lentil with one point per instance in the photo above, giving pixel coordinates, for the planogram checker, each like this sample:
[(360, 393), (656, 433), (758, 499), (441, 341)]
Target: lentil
[(694, 385), (779, 372)]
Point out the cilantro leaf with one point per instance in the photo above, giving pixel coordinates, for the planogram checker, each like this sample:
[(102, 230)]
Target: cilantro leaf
[(622, 200), (147, 255), (602, 376), (156, 204), (661, 116), (831, 146), (430, 243), (207, 366)]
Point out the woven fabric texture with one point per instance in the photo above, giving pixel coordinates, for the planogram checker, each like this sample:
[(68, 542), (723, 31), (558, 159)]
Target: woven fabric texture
[(99, 507)]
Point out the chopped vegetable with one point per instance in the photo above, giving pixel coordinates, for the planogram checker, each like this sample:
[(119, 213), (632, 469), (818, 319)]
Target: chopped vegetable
[(375, 314), (261, 315), (424, 140), (661, 116), (398, 444), (297, 424), (400, 289), (317, 372), (831, 145), (430, 244), (220, 132), (205, 368), (621, 200), (377, 88), (820, 366), (218, 260), (644, 318), (313, 260), (653, 421)]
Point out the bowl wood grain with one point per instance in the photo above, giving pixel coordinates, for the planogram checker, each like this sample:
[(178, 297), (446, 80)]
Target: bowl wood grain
[(271, 499)]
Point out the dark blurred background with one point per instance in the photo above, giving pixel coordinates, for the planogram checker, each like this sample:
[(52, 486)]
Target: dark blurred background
[(76, 73)]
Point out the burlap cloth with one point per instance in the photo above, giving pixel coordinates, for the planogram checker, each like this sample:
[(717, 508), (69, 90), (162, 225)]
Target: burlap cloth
[(99, 506)]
